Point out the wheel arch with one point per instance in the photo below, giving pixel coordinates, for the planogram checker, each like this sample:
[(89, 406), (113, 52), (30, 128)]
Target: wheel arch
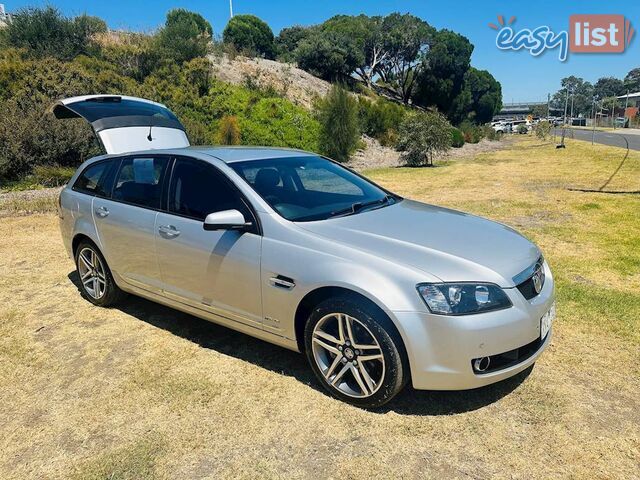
[(314, 297), (77, 239)]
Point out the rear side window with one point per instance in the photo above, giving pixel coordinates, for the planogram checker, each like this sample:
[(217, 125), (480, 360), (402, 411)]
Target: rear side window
[(95, 179), (139, 181)]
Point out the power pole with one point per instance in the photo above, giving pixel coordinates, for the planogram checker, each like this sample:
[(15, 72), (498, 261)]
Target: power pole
[(626, 105), (566, 104), (548, 105), (572, 97), (593, 132), (230, 8)]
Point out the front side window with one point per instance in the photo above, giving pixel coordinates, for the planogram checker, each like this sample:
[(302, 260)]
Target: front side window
[(139, 181), (198, 189), (311, 188), (94, 179)]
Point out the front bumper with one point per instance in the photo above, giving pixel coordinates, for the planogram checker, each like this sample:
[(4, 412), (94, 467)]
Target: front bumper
[(441, 348)]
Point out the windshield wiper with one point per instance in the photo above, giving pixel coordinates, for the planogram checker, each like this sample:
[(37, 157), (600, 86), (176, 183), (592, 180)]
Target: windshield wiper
[(359, 206)]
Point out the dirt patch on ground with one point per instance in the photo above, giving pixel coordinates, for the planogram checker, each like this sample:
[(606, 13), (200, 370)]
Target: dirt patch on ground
[(375, 155), (289, 81)]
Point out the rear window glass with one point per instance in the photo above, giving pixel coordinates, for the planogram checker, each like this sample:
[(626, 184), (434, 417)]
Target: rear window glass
[(139, 181), (93, 110), (93, 179)]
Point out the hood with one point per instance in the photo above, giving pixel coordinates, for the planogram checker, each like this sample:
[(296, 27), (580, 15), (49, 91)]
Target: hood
[(448, 244)]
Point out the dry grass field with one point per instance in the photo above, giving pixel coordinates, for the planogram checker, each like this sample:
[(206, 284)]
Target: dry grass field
[(142, 391)]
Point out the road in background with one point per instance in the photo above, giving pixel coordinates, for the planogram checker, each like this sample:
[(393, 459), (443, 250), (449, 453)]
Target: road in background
[(604, 138)]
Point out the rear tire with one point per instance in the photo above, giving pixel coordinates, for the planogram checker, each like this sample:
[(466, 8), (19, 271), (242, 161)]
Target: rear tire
[(355, 352), (96, 280)]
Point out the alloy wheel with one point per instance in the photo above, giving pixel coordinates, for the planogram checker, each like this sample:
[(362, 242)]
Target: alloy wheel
[(92, 273), (348, 355)]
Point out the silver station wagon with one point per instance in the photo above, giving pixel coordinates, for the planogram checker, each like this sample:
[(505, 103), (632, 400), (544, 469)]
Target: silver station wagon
[(293, 248)]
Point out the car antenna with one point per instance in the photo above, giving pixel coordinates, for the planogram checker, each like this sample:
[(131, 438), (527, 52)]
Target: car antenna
[(149, 137)]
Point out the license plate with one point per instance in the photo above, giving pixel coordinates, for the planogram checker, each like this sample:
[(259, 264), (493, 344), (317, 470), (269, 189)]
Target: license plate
[(546, 320)]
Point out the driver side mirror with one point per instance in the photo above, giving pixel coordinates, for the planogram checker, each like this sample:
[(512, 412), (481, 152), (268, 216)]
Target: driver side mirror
[(226, 220)]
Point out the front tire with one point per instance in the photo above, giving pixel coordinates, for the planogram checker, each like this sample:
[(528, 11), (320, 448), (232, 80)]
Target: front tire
[(96, 280), (355, 353)]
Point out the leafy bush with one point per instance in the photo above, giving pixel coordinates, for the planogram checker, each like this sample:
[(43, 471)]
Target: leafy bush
[(380, 118), (472, 133), (51, 175), (185, 36), (45, 32), (457, 138), (543, 129), (422, 135), (338, 115), (522, 129), (249, 33), (229, 131)]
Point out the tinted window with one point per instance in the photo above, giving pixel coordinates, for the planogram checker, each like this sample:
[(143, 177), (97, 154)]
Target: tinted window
[(310, 188), (139, 181), (94, 179), (95, 109), (198, 189)]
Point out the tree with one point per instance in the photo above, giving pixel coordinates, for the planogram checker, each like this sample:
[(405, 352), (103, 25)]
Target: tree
[(338, 116), (185, 36), (608, 87), (479, 100), (329, 55), (422, 135), (288, 40), (441, 79), (370, 38), (249, 33), (579, 91), (632, 81), (406, 40)]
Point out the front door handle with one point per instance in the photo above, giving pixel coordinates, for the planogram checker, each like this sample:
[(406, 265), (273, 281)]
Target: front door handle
[(168, 231), (102, 212)]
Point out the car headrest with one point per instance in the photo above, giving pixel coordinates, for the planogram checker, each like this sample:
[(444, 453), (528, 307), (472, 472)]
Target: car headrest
[(267, 178)]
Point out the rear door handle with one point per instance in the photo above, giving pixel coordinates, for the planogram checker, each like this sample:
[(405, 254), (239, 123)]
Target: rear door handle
[(168, 231), (102, 212)]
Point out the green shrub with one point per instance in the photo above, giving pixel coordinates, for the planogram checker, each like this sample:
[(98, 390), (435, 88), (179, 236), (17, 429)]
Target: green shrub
[(522, 129), (250, 34), (471, 133), (380, 118), (45, 32), (51, 175), (338, 115), (388, 138), (457, 138), (422, 135), (229, 131), (490, 134)]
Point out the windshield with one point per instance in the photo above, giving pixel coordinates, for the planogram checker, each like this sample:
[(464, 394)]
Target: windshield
[(303, 189)]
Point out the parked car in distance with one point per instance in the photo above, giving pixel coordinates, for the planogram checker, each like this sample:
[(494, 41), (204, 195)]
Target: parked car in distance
[(376, 290)]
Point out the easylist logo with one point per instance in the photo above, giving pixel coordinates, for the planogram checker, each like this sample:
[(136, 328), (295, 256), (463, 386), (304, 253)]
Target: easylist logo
[(586, 34), (599, 33)]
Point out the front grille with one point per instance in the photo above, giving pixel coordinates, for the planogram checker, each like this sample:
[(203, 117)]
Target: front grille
[(510, 358), (527, 289), (526, 281)]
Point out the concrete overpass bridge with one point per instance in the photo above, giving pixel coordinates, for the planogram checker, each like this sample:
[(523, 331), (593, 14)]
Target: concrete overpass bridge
[(522, 110)]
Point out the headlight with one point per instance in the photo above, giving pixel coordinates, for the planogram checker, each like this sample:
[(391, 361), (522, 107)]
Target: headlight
[(463, 298)]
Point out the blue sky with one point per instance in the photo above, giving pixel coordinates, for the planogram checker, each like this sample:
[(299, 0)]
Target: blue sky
[(523, 77)]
